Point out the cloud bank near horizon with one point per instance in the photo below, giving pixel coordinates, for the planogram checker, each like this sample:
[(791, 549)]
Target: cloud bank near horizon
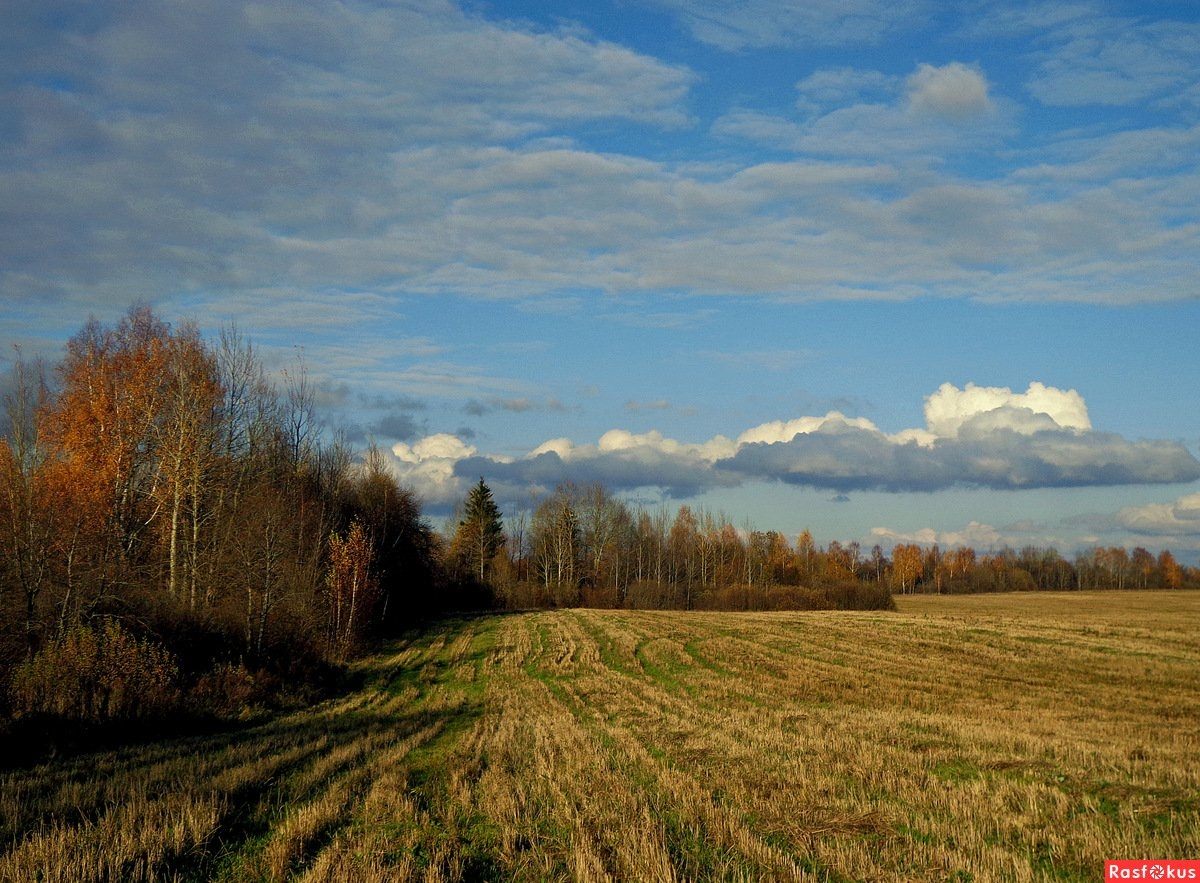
[(976, 436), (1180, 518), (1174, 525)]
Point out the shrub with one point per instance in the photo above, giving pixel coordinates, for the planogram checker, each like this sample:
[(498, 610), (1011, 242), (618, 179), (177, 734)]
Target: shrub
[(96, 674), (599, 596), (228, 690), (794, 598), (853, 595)]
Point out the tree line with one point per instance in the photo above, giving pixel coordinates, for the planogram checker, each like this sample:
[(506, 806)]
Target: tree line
[(582, 545), (178, 532)]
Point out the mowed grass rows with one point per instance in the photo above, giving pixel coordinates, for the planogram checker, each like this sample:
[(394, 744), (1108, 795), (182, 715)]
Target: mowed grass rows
[(987, 738)]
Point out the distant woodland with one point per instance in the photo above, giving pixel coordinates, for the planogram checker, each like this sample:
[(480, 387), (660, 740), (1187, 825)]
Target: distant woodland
[(178, 534)]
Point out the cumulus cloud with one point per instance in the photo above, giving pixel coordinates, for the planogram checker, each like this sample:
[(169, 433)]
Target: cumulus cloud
[(974, 436), (785, 430), (428, 465), (1039, 407), (953, 91)]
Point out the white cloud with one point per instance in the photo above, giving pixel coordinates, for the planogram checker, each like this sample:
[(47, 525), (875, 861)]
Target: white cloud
[(975, 534), (427, 466), (855, 113), (621, 440), (562, 447), (1159, 157), (786, 430), (1031, 18), (954, 91), (979, 536), (1106, 60), (1180, 518), (975, 436), (432, 448), (842, 85), (949, 408)]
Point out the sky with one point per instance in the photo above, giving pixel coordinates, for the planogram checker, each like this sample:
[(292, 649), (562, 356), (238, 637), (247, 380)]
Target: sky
[(891, 270)]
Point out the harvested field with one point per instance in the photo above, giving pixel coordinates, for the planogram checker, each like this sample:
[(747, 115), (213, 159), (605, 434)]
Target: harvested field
[(1003, 737)]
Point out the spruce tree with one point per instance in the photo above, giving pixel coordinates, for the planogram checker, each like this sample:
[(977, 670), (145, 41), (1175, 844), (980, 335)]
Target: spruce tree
[(481, 531)]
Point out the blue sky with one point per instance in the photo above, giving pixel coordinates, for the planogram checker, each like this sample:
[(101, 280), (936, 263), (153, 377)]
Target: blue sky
[(887, 270)]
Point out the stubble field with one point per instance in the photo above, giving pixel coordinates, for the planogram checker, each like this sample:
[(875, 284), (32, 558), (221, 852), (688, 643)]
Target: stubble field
[(1004, 737)]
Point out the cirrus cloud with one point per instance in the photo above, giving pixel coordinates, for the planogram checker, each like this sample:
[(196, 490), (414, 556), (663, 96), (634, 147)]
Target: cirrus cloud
[(737, 25)]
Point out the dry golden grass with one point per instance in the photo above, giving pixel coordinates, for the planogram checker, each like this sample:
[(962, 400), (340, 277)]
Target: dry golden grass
[(1002, 737)]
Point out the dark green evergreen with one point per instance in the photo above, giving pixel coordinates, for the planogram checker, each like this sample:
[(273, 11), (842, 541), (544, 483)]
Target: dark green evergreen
[(481, 530)]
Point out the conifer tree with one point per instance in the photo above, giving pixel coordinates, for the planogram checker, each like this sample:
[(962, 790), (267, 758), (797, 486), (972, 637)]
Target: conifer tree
[(480, 532)]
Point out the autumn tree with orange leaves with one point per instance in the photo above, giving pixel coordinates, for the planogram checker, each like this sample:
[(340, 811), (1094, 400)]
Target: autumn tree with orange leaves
[(351, 589), (907, 563), (171, 487)]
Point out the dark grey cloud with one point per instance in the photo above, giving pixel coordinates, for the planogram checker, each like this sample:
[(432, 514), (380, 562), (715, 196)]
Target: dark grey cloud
[(393, 402), (327, 395), (618, 470), (398, 426), (843, 457), (514, 405), (654, 405), (846, 458)]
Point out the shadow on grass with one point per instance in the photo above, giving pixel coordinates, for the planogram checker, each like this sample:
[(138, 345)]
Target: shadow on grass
[(255, 808), (47, 758), (40, 739)]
